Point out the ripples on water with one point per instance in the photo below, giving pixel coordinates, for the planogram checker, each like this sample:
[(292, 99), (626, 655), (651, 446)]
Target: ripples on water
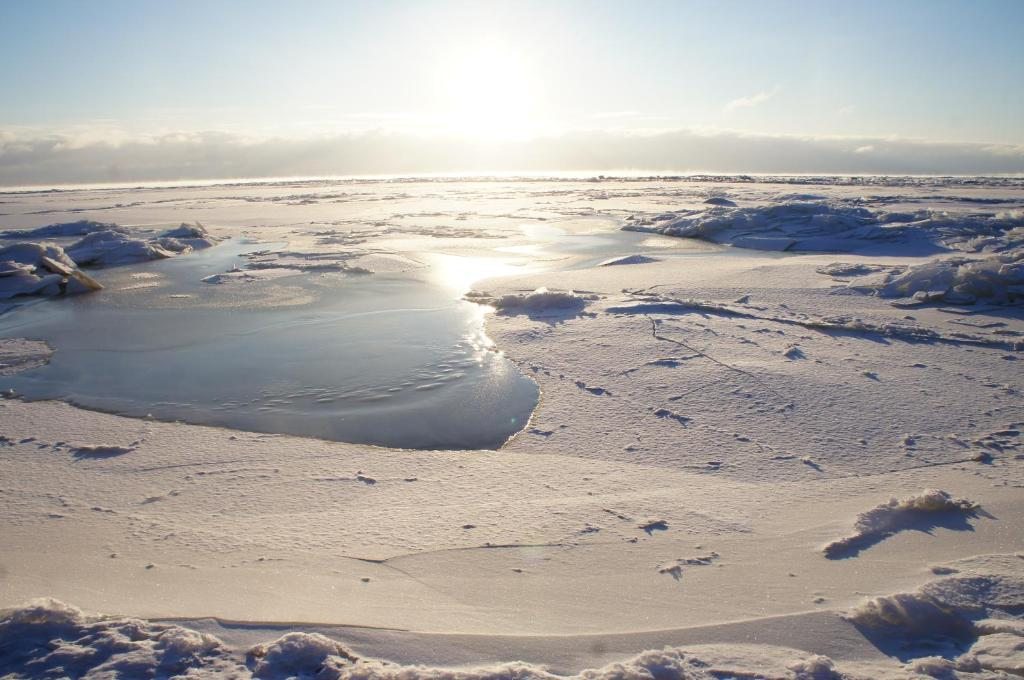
[(381, 359)]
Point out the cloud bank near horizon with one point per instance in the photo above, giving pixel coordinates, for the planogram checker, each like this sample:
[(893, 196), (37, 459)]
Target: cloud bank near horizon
[(47, 159)]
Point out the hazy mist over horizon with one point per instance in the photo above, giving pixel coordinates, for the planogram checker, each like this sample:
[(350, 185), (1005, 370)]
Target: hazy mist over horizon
[(119, 91)]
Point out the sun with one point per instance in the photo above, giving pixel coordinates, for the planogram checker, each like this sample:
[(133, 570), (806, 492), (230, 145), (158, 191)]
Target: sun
[(488, 91)]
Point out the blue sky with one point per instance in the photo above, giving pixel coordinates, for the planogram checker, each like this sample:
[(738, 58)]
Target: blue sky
[(113, 72)]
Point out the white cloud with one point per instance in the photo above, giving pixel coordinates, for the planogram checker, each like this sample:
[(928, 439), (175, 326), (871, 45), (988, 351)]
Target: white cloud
[(751, 101), (605, 115), (28, 158)]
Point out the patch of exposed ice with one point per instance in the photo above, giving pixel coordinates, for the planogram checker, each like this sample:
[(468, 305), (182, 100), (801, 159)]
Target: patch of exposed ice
[(307, 262), (894, 516), (239, 275)]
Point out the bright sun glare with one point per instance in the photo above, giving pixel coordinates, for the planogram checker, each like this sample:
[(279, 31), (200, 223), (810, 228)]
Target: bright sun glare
[(488, 92)]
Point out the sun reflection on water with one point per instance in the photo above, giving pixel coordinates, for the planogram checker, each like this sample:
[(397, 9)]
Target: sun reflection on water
[(458, 272)]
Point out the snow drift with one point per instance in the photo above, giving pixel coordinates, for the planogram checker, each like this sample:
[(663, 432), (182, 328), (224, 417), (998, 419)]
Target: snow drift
[(47, 638), (973, 615), (896, 515)]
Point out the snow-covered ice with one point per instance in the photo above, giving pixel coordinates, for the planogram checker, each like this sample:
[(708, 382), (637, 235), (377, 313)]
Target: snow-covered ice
[(704, 421)]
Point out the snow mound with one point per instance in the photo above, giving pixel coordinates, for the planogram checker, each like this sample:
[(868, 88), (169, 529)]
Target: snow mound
[(31, 254), (997, 279), (815, 668), (47, 638), (112, 248), (186, 238), (808, 223), (894, 516), (629, 259), (39, 269), (540, 300), (298, 654), (976, 613), (64, 230)]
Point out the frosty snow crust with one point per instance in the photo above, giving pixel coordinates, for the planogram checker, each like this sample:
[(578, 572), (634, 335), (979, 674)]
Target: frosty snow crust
[(963, 625)]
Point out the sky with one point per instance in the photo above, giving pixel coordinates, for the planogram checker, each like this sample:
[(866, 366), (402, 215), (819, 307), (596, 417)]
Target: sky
[(111, 90)]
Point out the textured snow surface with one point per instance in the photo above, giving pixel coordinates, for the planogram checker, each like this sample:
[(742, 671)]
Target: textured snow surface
[(995, 279), (973, 616), (837, 225), (48, 638)]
